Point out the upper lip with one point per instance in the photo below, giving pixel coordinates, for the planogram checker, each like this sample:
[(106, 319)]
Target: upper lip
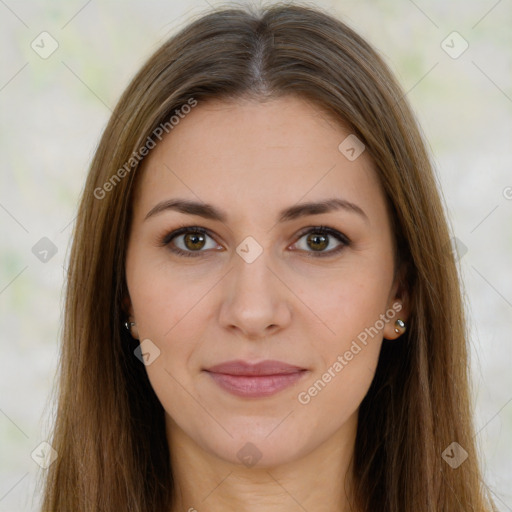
[(268, 367)]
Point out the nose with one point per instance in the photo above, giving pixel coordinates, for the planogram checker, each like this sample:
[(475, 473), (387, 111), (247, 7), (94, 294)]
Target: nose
[(255, 301)]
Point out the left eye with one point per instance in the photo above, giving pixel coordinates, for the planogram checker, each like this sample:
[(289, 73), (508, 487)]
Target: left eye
[(318, 239)]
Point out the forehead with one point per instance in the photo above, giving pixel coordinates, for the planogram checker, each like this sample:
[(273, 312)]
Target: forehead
[(254, 155)]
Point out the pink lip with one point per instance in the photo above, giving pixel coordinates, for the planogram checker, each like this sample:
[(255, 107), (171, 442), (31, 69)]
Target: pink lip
[(268, 367), (255, 380)]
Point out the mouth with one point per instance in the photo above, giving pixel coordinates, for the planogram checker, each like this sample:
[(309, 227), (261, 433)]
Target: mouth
[(258, 380)]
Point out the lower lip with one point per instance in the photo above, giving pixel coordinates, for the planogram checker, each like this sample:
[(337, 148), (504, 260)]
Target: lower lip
[(255, 386)]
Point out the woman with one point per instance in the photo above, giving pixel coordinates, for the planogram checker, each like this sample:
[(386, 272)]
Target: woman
[(263, 310)]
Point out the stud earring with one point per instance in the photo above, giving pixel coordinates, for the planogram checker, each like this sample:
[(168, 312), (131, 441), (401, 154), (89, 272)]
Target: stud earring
[(130, 328), (400, 326)]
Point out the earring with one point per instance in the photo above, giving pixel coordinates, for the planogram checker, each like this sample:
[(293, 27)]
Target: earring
[(400, 326), (129, 325)]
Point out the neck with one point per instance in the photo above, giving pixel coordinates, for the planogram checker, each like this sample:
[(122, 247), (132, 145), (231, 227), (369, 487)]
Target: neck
[(321, 480)]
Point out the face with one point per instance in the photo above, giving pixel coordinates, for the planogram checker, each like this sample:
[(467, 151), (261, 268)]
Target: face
[(255, 277)]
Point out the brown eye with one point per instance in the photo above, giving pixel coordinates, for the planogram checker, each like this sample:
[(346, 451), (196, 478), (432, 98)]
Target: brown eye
[(194, 241), (320, 238), (189, 241), (317, 242)]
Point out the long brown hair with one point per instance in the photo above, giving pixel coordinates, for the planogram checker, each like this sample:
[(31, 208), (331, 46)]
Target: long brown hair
[(109, 429)]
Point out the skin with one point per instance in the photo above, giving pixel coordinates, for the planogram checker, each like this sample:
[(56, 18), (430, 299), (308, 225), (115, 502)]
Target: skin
[(252, 160)]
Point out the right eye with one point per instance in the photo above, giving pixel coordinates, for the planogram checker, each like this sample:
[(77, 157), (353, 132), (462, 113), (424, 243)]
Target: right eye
[(189, 240)]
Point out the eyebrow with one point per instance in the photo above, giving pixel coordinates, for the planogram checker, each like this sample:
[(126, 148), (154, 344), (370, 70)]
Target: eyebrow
[(209, 211)]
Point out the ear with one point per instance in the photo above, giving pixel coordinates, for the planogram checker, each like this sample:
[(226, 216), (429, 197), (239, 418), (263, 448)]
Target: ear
[(398, 308), (126, 306)]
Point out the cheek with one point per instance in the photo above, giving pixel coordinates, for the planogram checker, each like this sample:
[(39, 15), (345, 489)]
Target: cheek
[(348, 300), (164, 297), (327, 402), (347, 359), (352, 308), (168, 308)]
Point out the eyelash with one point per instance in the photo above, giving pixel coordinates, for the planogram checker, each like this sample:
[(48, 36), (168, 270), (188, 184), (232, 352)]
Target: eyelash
[(322, 230)]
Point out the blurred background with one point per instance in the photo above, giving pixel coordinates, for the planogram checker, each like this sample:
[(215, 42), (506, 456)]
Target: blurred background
[(63, 67)]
